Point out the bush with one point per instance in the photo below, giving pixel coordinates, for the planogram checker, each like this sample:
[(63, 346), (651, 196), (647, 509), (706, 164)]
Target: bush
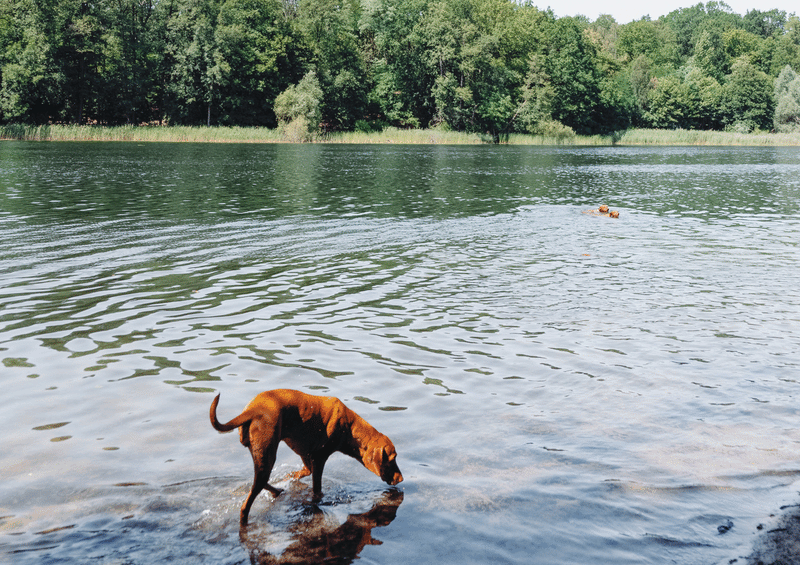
[(364, 126), (554, 129), (298, 109), (787, 101)]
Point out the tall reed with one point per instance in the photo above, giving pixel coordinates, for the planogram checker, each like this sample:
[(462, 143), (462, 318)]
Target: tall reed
[(435, 136), (68, 132), (408, 137)]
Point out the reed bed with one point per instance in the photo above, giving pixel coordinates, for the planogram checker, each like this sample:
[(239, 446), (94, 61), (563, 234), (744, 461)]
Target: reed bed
[(408, 137), (140, 133), (699, 137), (573, 140), (389, 135), (665, 137)]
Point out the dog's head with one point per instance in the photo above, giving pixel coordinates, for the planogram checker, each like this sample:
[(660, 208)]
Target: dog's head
[(382, 460)]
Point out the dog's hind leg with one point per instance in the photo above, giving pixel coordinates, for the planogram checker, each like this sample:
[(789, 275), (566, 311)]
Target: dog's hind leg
[(263, 444)]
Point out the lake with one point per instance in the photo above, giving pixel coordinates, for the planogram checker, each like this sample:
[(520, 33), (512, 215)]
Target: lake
[(560, 387)]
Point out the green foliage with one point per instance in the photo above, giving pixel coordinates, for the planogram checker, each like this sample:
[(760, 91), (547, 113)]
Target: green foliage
[(489, 67), (747, 98), (771, 23), (298, 109), (572, 64), (666, 104), (32, 81), (703, 95), (654, 40), (330, 27), (535, 109), (710, 54), (639, 78), (254, 59), (787, 101), (195, 62)]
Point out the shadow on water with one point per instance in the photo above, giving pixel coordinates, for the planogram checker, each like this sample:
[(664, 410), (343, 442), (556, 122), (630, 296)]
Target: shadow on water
[(135, 522), (317, 538)]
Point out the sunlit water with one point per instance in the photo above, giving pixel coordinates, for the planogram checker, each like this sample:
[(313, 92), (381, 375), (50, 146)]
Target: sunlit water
[(561, 388)]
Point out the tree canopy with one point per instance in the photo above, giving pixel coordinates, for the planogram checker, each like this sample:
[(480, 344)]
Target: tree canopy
[(488, 66)]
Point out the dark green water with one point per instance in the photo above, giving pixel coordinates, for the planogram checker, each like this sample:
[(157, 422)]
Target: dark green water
[(561, 388)]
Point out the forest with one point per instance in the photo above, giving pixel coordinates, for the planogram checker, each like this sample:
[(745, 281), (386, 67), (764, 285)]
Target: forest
[(488, 66)]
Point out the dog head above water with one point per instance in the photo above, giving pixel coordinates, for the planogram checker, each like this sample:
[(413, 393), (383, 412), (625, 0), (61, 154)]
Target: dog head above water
[(382, 460)]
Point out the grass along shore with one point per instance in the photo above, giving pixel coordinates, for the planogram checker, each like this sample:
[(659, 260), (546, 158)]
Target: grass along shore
[(390, 135)]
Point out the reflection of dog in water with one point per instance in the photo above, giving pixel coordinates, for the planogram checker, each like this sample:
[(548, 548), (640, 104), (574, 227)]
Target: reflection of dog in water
[(314, 427), (317, 541), (603, 211)]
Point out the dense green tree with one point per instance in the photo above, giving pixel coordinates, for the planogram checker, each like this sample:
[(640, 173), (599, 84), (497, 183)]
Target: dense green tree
[(81, 53), (765, 24), (702, 97), (571, 63), (195, 62), (787, 47), (685, 23), (128, 85), (257, 56), (32, 88), (666, 103), (534, 113), (787, 101), (738, 42), (710, 54), (401, 76), (639, 77), (511, 35), (653, 39), (488, 66), (331, 28), (604, 32), (688, 24), (747, 98)]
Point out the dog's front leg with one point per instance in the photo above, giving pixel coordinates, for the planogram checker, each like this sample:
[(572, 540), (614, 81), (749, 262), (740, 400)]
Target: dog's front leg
[(304, 472), (317, 466)]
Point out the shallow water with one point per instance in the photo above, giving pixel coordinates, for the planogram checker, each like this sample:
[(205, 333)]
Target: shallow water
[(561, 388)]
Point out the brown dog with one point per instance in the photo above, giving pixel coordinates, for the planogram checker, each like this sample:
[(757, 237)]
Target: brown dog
[(603, 211), (313, 427)]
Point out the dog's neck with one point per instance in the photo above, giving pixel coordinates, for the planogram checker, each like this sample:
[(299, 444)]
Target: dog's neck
[(362, 434)]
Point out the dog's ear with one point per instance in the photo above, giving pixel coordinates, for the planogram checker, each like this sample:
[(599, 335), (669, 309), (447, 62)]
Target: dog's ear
[(375, 459)]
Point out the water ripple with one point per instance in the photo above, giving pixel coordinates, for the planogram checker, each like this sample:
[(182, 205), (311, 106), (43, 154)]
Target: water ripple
[(547, 375)]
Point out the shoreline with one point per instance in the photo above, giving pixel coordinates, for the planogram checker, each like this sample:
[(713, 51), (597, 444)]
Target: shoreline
[(779, 545), (388, 136)]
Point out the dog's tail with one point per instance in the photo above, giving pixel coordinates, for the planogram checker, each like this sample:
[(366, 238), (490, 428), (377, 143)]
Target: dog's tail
[(238, 421)]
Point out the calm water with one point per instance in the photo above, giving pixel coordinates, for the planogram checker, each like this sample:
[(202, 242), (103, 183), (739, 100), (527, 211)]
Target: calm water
[(561, 388)]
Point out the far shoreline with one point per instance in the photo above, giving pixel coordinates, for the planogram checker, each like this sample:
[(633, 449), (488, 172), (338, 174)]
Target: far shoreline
[(238, 134)]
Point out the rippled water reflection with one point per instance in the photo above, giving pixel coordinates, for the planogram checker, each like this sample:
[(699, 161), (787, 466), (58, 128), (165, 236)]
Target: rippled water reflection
[(561, 388)]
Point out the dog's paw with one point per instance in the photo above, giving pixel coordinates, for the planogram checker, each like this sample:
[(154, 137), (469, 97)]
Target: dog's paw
[(274, 490), (297, 475)]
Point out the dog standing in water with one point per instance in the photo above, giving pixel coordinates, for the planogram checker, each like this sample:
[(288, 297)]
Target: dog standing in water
[(314, 427)]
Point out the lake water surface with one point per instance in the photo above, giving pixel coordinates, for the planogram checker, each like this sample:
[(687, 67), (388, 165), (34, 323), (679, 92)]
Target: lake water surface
[(561, 388)]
